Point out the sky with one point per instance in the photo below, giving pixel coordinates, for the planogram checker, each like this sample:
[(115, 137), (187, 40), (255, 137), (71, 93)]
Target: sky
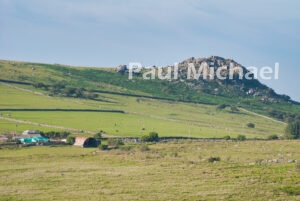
[(107, 33)]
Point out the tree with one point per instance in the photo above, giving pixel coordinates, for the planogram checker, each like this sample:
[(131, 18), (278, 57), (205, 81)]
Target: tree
[(292, 130)]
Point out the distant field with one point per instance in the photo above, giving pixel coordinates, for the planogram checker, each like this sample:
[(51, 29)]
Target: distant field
[(16, 98), (252, 170), (120, 124), (143, 115), (12, 127)]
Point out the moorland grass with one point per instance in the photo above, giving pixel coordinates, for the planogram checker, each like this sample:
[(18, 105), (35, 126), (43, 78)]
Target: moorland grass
[(179, 170)]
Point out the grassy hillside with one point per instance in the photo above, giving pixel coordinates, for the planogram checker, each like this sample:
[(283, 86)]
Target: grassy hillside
[(93, 80), (170, 108), (141, 115), (86, 100)]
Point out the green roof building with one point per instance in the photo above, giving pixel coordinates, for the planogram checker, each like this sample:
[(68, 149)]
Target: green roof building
[(38, 139)]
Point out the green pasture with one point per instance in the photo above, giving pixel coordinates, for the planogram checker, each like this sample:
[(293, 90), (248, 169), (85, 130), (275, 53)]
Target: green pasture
[(168, 118), (122, 124), (252, 170), (9, 127)]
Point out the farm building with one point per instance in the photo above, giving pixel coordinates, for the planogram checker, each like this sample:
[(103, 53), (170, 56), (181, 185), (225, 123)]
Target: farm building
[(32, 136), (86, 142), (31, 140)]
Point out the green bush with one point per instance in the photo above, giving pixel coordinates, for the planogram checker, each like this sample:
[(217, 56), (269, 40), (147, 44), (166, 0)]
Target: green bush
[(145, 138), (98, 136), (151, 137), (103, 147), (292, 130), (55, 134), (70, 140), (227, 137), (241, 138), (272, 137), (250, 125)]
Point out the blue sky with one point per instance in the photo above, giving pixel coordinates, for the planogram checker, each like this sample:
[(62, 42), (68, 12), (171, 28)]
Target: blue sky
[(107, 33)]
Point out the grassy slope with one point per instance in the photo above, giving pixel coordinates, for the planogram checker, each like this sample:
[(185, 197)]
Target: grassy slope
[(166, 117), (173, 171), (107, 79), (15, 98)]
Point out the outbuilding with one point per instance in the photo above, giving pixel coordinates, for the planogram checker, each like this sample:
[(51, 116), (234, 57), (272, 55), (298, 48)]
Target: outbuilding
[(86, 142), (31, 140)]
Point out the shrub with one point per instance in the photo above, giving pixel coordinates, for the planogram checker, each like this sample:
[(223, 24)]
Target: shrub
[(103, 147), (272, 137), (292, 130), (145, 138), (241, 138), (55, 134), (250, 125), (213, 159), (151, 137), (98, 135), (227, 137), (70, 140)]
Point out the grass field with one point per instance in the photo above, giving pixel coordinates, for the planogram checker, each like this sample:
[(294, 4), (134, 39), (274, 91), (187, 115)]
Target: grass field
[(173, 170), (252, 170), (142, 115), (16, 98)]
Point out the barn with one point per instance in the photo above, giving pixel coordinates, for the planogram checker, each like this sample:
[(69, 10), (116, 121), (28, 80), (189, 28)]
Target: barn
[(86, 142)]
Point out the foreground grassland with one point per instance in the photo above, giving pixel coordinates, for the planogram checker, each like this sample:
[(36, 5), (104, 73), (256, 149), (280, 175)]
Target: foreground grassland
[(251, 170)]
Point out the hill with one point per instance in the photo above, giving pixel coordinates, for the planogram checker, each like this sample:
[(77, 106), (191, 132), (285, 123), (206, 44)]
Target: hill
[(46, 96)]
